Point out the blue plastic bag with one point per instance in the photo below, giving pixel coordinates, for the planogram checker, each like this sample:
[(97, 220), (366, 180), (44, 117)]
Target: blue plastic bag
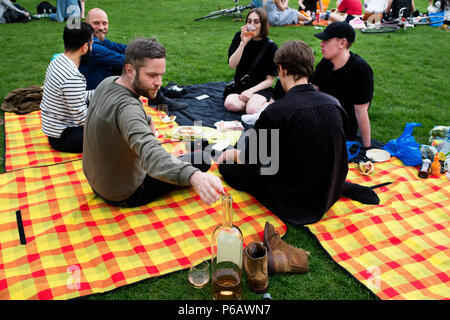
[(349, 146), (405, 147)]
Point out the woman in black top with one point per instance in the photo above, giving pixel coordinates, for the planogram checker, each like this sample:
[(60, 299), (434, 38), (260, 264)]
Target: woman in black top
[(243, 51)]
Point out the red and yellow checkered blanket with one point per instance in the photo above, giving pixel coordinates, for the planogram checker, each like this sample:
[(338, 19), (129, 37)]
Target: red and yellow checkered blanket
[(76, 244), (399, 249), (26, 146)]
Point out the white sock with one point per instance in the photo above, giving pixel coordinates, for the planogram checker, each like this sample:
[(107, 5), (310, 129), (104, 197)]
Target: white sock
[(250, 118)]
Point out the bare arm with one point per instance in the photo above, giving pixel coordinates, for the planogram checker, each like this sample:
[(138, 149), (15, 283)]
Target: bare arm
[(362, 117), (300, 3), (237, 55), (388, 7), (282, 5)]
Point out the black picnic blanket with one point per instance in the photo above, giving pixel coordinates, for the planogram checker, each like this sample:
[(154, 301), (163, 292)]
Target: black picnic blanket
[(361, 156), (211, 110)]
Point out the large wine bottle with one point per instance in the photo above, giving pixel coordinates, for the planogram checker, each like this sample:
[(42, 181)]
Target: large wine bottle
[(226, 250)]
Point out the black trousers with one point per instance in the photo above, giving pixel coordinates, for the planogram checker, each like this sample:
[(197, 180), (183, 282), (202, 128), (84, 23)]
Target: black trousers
[(152, 188), (71, 140), (243, 179)]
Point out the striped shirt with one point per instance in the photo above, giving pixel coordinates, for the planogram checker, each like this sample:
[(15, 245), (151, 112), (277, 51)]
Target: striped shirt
[(64, 102)]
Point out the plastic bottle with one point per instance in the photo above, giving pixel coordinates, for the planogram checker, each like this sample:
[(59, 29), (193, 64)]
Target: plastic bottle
[(436, 165), (317, 15)]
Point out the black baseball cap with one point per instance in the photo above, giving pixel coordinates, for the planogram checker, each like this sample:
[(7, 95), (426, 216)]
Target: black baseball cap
[(338, 30)]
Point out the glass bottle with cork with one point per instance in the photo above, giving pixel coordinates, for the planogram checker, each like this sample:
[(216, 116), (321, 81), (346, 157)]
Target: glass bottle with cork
[(226, 250)]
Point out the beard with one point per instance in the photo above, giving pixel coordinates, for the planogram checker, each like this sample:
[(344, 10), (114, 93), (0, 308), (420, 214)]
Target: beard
[(101, 35), (86, 57), (140, 89)]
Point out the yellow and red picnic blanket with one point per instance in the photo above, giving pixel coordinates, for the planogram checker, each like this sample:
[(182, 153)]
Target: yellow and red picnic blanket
[(76, 244), (26, 146), (399, 249)]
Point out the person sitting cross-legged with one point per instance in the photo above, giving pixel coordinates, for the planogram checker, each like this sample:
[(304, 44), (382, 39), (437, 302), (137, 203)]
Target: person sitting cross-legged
[(346, 11), (395, 8), (251, 54)]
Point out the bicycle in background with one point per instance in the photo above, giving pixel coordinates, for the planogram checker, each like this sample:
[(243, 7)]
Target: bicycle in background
[(402, 22), (236, 12)]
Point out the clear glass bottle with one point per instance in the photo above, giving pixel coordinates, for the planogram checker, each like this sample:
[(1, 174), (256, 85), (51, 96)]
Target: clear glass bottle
[(226, 250)]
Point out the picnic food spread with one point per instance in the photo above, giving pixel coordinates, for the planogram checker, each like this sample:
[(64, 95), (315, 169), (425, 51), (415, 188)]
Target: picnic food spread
[(187, 131), (366, 168)]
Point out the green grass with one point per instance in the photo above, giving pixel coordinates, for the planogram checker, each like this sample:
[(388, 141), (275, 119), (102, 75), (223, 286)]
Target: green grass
[(410, 71)]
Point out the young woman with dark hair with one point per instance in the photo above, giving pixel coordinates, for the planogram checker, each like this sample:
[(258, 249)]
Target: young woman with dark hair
[(245, 48)]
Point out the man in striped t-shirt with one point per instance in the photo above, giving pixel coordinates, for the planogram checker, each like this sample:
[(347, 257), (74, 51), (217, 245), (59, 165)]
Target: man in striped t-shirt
[(65, 99)]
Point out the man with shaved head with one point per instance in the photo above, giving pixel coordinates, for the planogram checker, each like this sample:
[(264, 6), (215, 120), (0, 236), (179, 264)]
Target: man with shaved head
[(107, 58)]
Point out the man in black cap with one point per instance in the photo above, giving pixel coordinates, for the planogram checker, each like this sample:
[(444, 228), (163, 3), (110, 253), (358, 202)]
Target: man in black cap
[(346, 76)]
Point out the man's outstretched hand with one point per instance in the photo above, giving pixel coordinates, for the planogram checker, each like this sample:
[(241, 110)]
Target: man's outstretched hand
[(208, 186)]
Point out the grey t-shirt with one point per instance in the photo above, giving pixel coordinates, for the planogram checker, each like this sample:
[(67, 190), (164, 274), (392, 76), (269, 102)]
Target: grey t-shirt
[(119, 148)]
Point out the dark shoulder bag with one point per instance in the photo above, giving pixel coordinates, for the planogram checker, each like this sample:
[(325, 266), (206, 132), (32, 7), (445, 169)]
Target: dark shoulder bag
[(246, 81)]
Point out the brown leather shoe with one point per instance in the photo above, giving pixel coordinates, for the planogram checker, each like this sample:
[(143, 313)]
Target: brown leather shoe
[(255, 266), (282, 257)]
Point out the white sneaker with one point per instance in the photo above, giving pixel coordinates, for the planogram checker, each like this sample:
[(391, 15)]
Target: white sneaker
[(250, 119)]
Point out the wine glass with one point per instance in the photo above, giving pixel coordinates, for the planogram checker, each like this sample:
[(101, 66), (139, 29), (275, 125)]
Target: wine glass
[(199, 273), (251, 30), (163, 107)]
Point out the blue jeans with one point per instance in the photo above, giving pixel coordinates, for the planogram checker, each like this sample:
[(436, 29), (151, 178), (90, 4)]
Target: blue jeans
[(65, 9)]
